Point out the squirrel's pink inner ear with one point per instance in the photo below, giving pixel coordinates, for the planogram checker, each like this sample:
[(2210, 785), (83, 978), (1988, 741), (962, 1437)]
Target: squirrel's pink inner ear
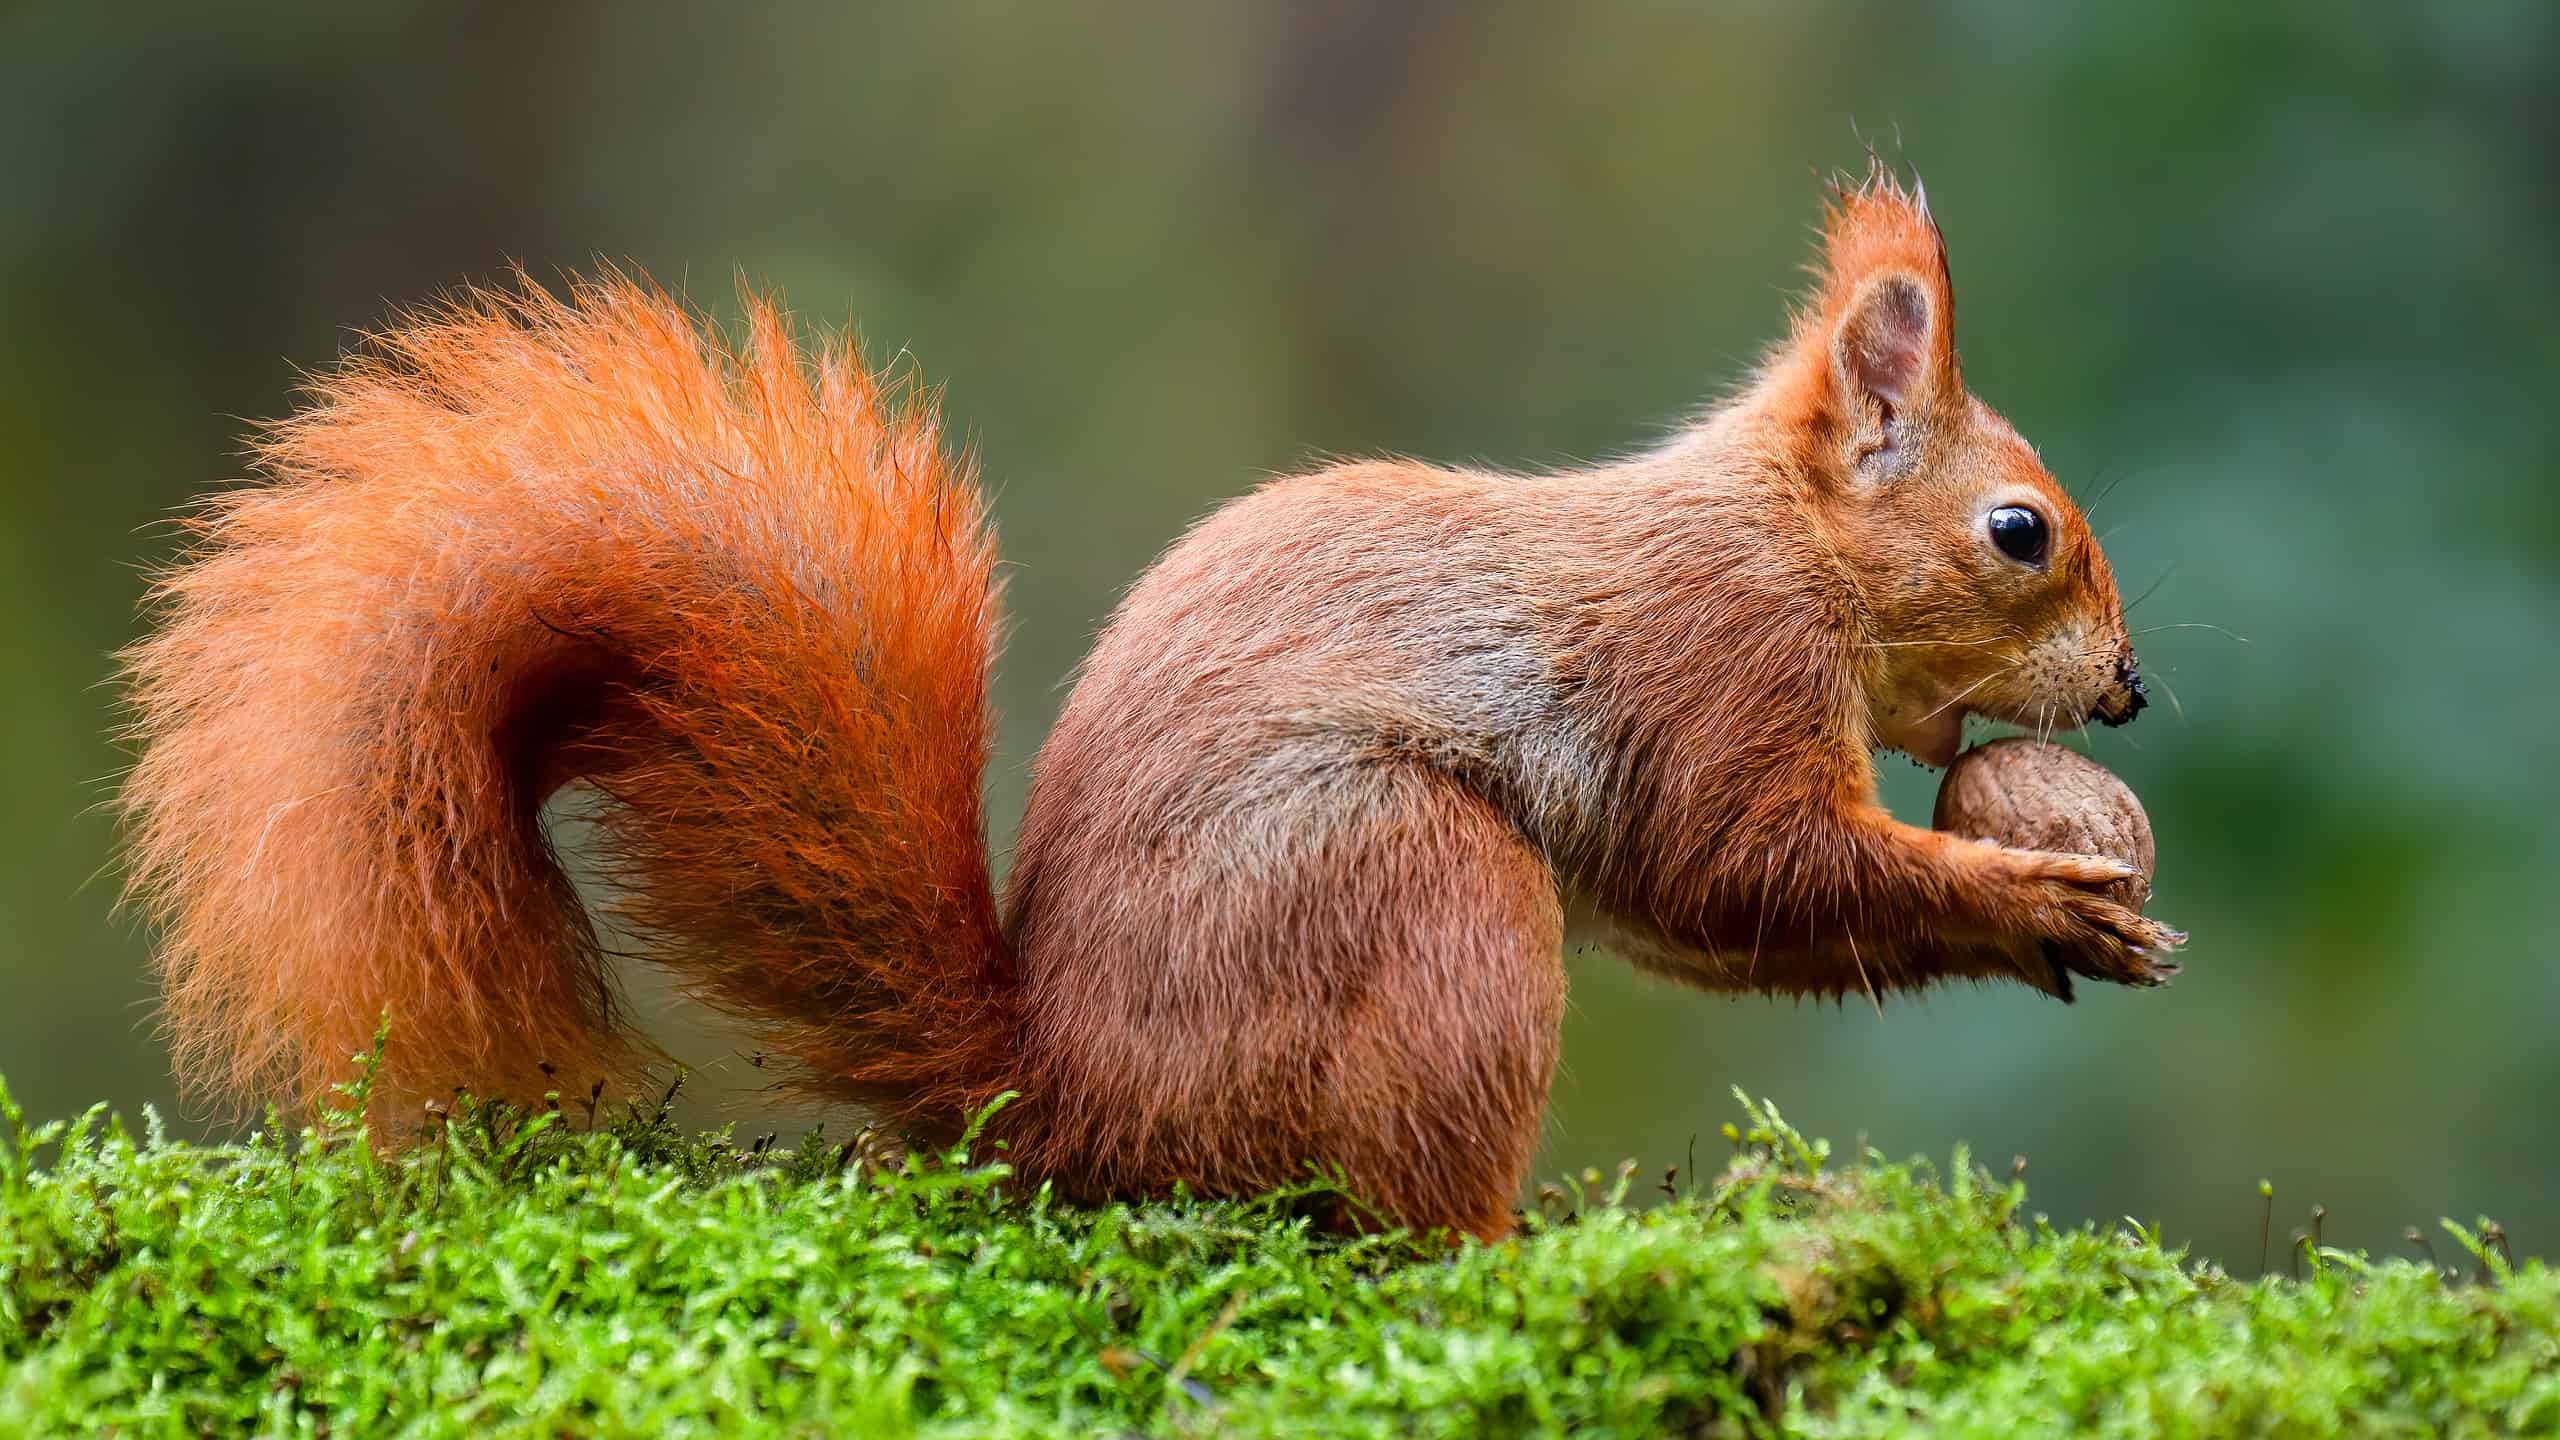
[(1882, 346)]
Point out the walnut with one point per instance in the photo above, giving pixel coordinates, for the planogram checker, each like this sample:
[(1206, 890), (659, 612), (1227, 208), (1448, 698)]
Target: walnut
[(2035, 795)]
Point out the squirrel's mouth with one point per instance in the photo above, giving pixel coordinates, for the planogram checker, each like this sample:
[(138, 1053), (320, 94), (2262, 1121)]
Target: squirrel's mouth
[(1935, 735)]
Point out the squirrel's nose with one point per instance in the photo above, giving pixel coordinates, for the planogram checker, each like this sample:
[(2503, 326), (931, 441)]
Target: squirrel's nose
[(2125, 698)]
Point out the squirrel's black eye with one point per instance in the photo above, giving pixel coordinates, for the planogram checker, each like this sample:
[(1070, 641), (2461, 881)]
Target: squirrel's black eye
[(2020, 534)]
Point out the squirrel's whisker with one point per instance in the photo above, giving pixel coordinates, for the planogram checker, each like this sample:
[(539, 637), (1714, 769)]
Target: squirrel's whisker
[(2154, 587), (1910, 644), (2161, 679), (2222, 630), (1969, 689)]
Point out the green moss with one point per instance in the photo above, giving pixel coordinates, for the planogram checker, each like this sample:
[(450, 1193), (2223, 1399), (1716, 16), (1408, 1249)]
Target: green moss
[(533, 1276)]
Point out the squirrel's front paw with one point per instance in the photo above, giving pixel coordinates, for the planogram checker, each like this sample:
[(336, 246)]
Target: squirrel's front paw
[(2079, 929)]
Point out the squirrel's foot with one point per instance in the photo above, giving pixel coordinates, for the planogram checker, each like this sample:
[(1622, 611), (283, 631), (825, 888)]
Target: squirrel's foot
[(2060, 902)]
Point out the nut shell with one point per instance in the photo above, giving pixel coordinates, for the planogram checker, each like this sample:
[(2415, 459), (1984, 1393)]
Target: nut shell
[(2036, 795)]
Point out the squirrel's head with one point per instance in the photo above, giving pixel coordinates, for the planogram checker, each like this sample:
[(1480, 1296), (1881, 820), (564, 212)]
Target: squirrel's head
[(1979, 585)]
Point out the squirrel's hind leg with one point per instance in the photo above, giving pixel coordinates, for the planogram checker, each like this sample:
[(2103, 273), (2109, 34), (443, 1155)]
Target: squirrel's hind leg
[(1446, 1055), (1374, 986)]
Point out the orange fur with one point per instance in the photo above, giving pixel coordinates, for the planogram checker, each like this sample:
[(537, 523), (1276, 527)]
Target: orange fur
[(525, 541), (1297, 860)]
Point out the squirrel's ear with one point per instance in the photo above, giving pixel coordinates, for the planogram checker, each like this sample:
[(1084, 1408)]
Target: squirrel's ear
[(1885, 346), (1881, 333)]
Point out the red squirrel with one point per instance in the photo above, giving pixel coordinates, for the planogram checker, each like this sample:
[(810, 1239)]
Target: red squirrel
[(1294, 876)]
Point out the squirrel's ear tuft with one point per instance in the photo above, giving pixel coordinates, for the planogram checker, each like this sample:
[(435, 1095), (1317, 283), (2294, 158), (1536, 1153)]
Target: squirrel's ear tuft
[(1886, 311)]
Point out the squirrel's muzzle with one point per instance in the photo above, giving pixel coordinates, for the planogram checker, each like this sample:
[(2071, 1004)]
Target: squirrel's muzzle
[(2125, 698)]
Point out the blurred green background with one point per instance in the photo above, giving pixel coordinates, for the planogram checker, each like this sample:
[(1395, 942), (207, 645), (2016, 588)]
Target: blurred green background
[(2278, 279)]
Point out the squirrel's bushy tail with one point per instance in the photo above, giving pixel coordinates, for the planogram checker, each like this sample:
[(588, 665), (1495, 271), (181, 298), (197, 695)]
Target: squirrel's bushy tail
[(524, 540)]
